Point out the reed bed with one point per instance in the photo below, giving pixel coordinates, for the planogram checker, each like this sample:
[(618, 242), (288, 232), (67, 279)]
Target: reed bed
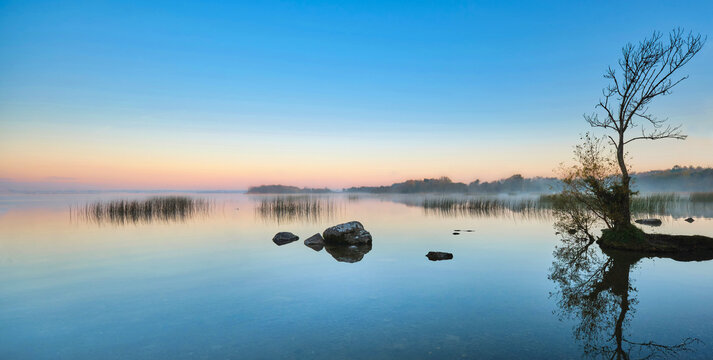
[(485, 206), (663, 204), (659, 204), (701, 197), (290, 208), (157, 208)]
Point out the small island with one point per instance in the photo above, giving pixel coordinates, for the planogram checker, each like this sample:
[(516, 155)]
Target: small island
[(598, 188), (285, 189)]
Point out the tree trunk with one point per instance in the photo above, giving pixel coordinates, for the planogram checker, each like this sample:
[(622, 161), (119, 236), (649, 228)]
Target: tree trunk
[(622, 213)]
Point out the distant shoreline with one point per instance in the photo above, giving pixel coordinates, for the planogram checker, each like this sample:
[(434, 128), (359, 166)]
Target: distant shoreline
[(676, 179)]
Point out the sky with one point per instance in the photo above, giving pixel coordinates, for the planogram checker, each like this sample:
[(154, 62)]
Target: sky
[(225, 95)]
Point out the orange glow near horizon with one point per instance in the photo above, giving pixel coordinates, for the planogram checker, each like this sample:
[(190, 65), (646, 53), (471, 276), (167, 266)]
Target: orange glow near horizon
[(173, 168), (118, 158)]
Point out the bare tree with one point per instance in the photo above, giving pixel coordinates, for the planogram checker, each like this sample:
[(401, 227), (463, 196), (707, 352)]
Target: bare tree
[(646, 71)]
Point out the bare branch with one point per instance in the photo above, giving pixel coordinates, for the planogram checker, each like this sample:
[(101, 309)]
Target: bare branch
[(646, 70), (658, 134)]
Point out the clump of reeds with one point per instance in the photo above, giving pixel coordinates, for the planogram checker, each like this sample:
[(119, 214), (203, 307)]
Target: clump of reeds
[(296, 207), (481, 206), (658, 204), (701, 197), (157, 208), (549, 200), (650, 204)]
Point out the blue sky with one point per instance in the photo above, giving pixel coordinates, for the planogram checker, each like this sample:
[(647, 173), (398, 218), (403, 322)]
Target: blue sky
[(381, 83)]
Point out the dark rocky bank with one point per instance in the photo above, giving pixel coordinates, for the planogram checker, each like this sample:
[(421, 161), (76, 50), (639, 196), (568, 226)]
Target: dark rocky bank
[(680, 247)]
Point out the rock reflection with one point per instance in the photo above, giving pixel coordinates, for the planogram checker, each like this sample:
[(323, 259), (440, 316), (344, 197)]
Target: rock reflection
[(596, 290), (347, 253)]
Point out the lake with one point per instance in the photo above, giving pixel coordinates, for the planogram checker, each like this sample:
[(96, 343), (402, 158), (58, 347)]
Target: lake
[(212, 284)]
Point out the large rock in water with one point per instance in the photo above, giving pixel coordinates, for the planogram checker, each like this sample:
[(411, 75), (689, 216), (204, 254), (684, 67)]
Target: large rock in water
[(283, 238), (351, 233)]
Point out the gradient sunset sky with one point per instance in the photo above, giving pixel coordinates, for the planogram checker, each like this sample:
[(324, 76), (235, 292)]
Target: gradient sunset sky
[(203, 95)]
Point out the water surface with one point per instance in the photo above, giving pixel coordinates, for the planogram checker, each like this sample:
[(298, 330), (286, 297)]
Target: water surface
[(214, 285)]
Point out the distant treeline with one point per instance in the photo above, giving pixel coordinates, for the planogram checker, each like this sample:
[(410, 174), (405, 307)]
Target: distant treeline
[(677, 179), (515, 183), (284, 189)]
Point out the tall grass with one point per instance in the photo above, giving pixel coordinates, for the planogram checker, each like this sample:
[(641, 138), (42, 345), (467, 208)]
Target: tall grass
[(483, 206), (700, 204), (701, 197), (157, 208), (655, 204), (290, 208), (649, 204)]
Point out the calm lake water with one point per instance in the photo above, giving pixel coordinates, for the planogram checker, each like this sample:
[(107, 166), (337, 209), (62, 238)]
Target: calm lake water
[(214, 285)]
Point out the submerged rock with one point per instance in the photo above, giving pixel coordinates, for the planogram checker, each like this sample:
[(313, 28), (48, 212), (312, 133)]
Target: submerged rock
[(351, 233), (347, 253), (650, 222), (689, 220), (283, 238), (316, 242), (456, 233), (439, 255)]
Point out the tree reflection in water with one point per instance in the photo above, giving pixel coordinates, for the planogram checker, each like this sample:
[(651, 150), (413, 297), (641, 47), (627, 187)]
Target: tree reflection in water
[(595, 289)]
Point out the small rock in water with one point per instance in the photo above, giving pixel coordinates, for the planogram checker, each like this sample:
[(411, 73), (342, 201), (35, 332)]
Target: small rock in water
[(315, 242), (439, 255), (456, 230), (469, 230), (650, 222), (689, 220), (455, 233), (283, 238)]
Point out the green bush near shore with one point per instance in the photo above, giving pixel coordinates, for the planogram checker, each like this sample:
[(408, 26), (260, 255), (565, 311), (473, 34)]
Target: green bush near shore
[(631, 238)]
